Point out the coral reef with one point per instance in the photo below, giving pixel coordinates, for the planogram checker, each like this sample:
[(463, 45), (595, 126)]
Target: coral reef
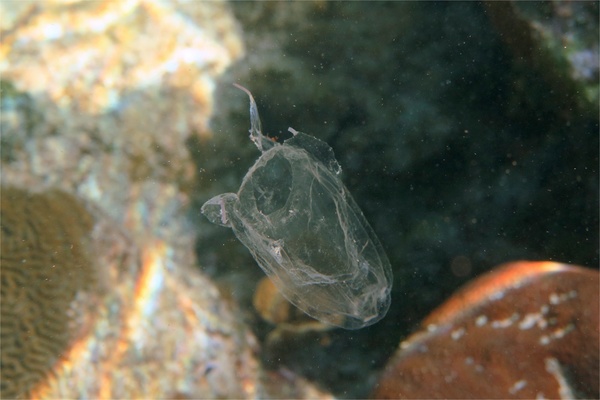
[(525, 330), (98, 100), (557, 40), (156, 335), (104, 95), (48, 276)]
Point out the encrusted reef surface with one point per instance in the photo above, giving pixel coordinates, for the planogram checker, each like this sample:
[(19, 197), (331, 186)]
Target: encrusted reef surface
[(46, 276), (467, 133), (525, 330), (85, 313), (101, 295)]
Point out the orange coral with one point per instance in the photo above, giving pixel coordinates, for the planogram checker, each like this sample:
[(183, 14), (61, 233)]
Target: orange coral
[(524, 330)]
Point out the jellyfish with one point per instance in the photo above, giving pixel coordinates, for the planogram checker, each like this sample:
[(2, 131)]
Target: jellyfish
[(305, 231)]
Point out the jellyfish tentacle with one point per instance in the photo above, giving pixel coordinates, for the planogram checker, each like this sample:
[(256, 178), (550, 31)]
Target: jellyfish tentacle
[(261, 141)]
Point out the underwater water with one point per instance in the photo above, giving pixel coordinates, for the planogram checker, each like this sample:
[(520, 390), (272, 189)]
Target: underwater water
[(466, 133)]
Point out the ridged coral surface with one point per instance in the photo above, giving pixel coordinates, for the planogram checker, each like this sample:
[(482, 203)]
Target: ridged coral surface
[(46, 271)]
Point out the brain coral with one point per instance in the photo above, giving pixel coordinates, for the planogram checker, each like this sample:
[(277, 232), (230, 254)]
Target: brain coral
[(45, 271)]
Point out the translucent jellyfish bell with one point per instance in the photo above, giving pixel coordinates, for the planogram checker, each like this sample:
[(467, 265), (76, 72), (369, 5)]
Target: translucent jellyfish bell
[(305, 231)]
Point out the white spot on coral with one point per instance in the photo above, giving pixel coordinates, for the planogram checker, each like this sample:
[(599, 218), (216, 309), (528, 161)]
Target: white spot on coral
[(557, 334), (518, 385), (481, 320), (564, 390), (556, 298), (530, 320), (497, 296), (458, 333), (544, 340), (450, 377), (505, 323), (560, 333)]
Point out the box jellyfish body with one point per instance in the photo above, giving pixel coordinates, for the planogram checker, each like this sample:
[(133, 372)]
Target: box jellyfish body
[(306, 232)]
